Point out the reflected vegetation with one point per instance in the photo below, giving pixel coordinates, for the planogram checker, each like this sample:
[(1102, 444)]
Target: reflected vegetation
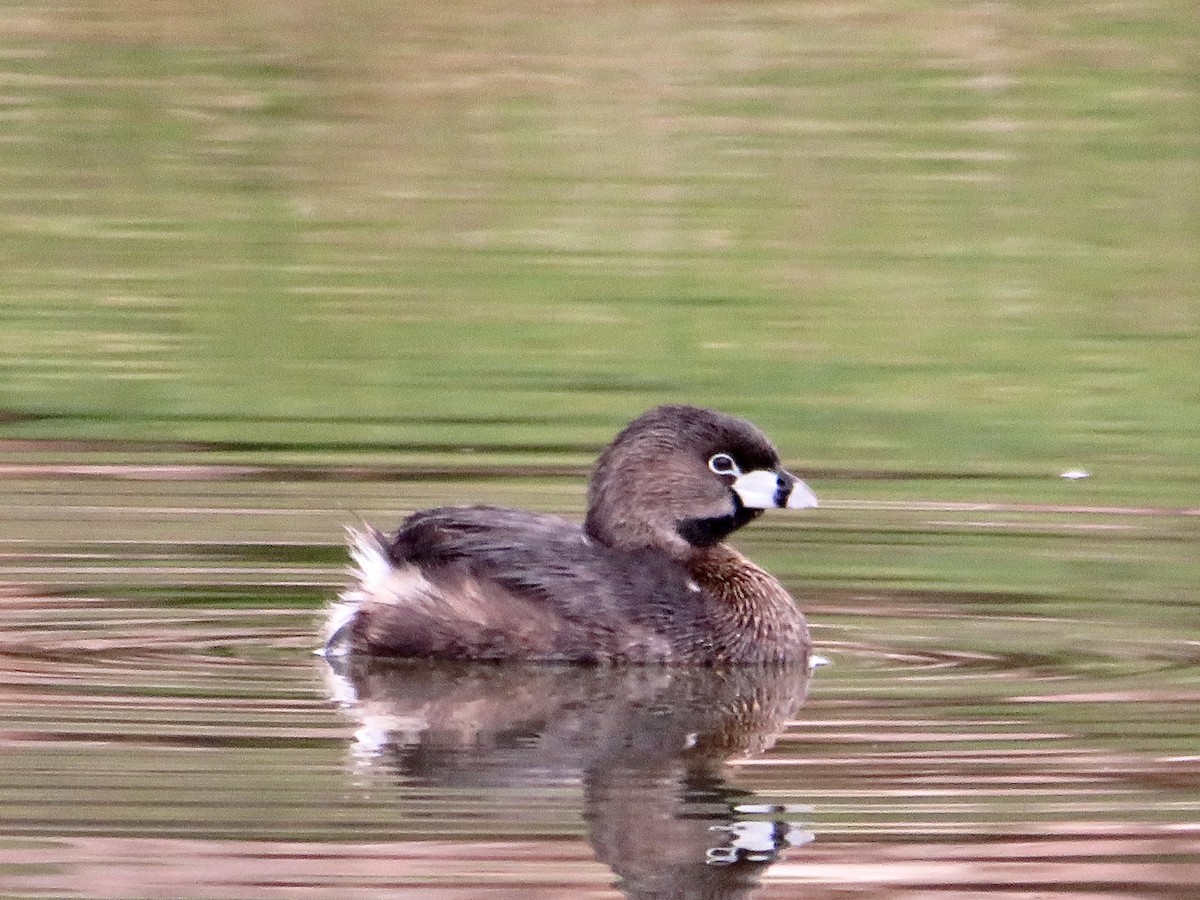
[(648, 745), (943, 237), (270, 268)]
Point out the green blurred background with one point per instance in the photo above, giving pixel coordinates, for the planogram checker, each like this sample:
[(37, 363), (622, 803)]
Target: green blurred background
[(921, 237)]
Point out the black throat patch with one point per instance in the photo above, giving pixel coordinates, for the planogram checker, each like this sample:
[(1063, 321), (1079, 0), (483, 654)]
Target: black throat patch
[(706, 532)]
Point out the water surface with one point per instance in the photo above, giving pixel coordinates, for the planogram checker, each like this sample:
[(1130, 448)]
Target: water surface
[(273, 268), (168, 731)]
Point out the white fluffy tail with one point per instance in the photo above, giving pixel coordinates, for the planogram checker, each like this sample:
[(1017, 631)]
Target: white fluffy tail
[(372, 565), (371, 569)]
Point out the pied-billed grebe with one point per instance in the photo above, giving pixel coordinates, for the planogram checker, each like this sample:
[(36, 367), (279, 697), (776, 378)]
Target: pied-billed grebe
[(646, 579)]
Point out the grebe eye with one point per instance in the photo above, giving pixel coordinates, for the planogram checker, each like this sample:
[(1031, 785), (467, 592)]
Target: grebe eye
[(723, 464)]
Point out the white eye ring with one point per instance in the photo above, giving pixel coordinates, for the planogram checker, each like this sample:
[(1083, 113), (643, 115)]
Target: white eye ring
[(723, 464)]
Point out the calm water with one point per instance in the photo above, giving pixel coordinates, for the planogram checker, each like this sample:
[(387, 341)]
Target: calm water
[(270, 268), (167, 731)]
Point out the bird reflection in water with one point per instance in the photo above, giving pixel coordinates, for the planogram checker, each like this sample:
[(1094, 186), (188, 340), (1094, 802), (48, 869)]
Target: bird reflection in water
[(648, 744)]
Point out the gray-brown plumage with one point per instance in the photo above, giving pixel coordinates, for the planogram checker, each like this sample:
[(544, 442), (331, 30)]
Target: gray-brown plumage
[(646, 579)]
